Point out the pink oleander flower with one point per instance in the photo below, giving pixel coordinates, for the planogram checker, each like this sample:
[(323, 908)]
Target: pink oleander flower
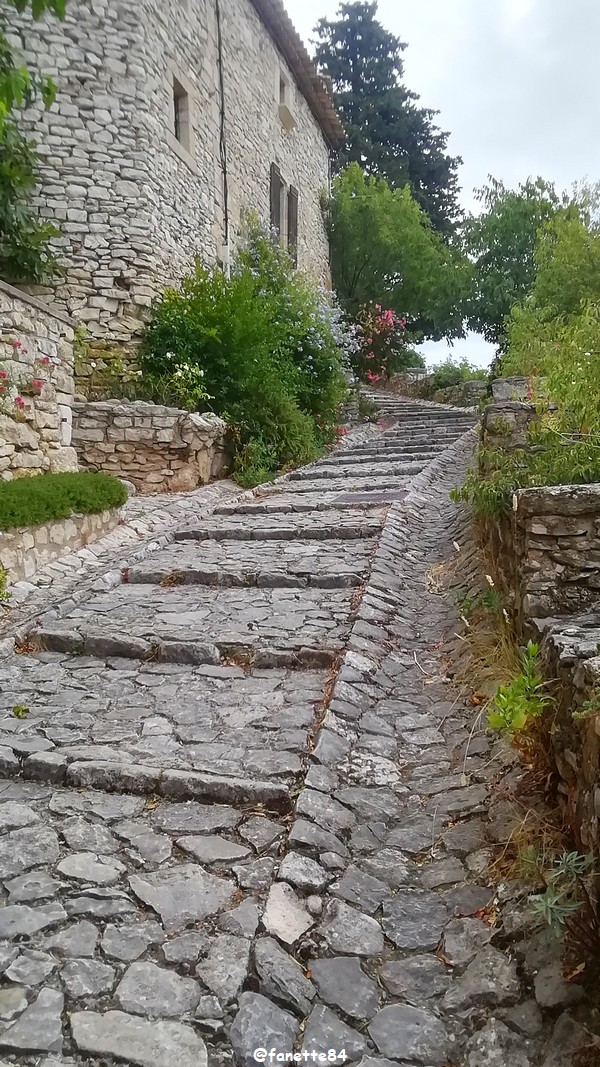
[(3, 374), (19, 402)]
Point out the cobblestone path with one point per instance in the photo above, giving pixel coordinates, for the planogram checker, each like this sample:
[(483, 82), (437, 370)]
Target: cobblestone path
[(239, 807)]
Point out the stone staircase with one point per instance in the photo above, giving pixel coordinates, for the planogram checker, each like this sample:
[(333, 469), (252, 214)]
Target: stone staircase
[(187, 776), (381, 468)]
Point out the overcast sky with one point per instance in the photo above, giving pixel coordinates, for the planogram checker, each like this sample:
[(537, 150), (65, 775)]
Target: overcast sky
[(517, 84)]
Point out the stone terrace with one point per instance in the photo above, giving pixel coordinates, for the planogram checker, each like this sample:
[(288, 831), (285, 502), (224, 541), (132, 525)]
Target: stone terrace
[(241, 807)]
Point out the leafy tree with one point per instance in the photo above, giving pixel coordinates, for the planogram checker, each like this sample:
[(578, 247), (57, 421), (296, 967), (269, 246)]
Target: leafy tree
[(567, 260), (385, 251), (389, 135), (25, 255), (502, 241)]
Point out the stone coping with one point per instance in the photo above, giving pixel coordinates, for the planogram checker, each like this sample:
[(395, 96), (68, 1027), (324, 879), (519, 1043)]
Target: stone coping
[(558, 500), (35, 302)]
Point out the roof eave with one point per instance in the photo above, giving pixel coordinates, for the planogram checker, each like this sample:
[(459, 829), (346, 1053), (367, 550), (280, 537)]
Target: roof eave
[(275, 18)]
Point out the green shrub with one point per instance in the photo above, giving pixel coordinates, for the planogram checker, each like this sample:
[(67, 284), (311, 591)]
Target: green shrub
[(268, 346), (523, 699), (450, 373), (552, 340), (568, 885), (31, 501)]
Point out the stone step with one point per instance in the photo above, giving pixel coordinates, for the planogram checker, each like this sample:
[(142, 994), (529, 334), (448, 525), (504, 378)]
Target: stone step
[(321, 499), (399, 454), (193, 624), (424, 436), (360, 481), (353, 472), (272, 564), (401, 447), (435, 425), (209, 731), (387, 399), (338, 525), (290, 503), (423, 412)]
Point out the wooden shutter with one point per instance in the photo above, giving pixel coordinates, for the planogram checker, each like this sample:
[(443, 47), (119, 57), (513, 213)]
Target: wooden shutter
[(276, 187), (292, 223)]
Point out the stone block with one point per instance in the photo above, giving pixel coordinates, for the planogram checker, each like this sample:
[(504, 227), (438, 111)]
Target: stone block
[(63, 460)]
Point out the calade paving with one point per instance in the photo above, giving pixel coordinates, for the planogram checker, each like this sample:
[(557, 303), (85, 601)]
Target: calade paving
[(240, 810)]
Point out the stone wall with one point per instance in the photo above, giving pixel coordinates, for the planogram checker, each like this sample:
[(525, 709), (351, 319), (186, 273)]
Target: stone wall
[(546, 554), (505, 424), (548, 551), (158, 449), (35, 420), (570, 657), (24, 550), (134, 206)]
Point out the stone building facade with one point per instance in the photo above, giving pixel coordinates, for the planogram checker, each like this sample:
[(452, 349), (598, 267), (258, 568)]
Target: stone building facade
[(172, 121)]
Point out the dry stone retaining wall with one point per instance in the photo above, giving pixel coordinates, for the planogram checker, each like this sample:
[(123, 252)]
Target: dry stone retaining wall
[(35, 343), (547, 561), (548, 550), (24, 550), (158, 449)]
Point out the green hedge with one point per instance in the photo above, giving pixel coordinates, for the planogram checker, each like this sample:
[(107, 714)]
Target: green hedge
[(31, 501)]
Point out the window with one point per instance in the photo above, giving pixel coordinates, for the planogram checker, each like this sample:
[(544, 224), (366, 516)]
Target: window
[(286, 113), (181, 112), (277, 196), (283, 89), (284, 212), (292, 223)]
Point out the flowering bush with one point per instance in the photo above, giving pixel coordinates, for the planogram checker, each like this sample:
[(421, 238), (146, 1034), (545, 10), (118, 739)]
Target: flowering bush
[(273, 350), (381, 344), (13, 389)]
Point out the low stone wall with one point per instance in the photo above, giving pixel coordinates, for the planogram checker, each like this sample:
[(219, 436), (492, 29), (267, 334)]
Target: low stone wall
[(158, 449), (548, 551), (505, 424), (25, 549), (415, 382), (36, 387)]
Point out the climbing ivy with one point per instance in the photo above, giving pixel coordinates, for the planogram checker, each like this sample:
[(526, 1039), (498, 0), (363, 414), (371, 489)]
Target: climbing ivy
[(25, 253)]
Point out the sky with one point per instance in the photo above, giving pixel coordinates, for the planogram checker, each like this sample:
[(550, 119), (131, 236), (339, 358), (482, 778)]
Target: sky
[(516, 82)]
